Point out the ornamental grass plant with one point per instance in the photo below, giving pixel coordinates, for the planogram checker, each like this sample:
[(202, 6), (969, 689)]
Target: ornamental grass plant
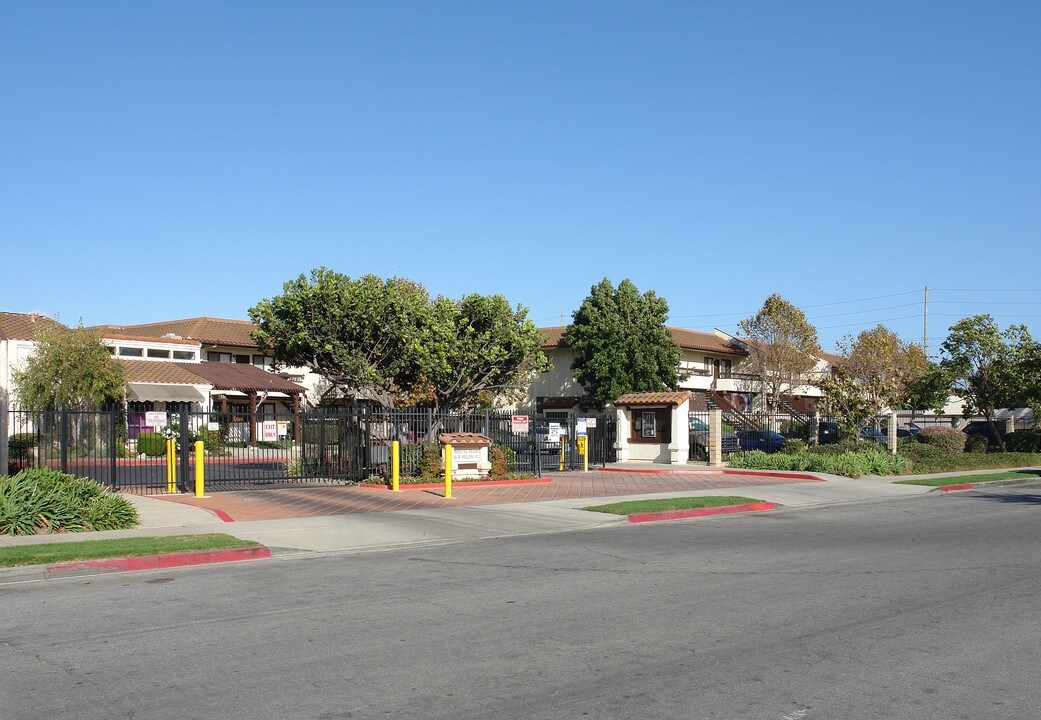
[(43, 500)]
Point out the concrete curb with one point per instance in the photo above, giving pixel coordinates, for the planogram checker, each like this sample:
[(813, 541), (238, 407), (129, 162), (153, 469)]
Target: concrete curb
[(981, 485), (102, 566), (699, 512), (719, 471)]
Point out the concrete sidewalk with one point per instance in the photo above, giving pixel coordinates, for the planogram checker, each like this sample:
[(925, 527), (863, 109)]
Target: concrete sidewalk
[(383, 530)]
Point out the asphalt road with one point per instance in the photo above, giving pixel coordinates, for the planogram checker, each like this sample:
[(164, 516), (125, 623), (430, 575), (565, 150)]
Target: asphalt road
[(923, 607)]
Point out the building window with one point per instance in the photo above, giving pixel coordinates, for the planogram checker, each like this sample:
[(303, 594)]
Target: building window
[(111, 350), (264, 361), (154, 353), (218, 357), (183, 355), (130, 352), (244, 359)]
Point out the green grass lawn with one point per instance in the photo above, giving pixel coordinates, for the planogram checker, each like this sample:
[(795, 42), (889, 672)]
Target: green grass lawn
[(633, 507), (46, 553), (976, 478)]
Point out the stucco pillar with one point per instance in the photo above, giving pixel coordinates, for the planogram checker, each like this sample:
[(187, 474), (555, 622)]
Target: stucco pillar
[(715, 438), (622, 432), (679, 448), (892, 432)]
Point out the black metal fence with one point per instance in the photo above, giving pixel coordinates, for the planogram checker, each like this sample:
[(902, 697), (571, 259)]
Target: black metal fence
[(241, 451)]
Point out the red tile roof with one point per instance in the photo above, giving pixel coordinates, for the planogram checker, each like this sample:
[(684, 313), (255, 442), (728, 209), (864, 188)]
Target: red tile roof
[(463, 438), (240, 376), (23, 326), (207, 330), (653, 398), (160, 372), (687, 339)]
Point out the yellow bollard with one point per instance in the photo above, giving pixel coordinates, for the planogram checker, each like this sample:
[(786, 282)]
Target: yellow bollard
[(582, 443), (199, 469), (395, 465), (562, 442), (171, 471), (448, 471)]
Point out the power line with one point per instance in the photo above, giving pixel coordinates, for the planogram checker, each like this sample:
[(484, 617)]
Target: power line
[(979, 290), (861, 312)]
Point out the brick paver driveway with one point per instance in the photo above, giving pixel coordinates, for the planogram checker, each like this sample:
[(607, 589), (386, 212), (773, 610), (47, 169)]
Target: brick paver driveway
[(271, 504)]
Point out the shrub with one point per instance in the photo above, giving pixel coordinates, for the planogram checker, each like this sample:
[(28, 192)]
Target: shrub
[(1023, 441), (951, 440), (864, 461), (429, 465), (503, 460), (976, 444), (213, 441), (793, 446), (42, 500), (21, 440), (151, 443)]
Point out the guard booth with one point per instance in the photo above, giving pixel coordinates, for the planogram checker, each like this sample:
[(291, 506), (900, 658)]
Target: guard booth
[(652, 427)]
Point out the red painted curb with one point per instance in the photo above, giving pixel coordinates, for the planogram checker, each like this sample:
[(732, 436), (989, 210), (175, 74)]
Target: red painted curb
[(699, 512), (221, 514), (157, 562), (721, 471), (458, 484), (948, 488)]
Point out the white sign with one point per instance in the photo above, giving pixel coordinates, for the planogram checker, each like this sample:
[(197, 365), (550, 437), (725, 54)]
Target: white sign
[(554, 432), (270, 431), (283, 428), (465, 455), (213, 426), (590, 423), (520, 424), (580, 426), (155, 419)]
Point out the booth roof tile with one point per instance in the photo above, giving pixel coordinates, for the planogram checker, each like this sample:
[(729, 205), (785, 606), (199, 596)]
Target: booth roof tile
[(653, 398)]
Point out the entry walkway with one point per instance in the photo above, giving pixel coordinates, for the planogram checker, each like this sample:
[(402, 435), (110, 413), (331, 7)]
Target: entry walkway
[(284, 503)]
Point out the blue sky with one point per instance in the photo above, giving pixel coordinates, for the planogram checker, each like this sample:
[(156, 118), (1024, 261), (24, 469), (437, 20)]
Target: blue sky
[(164, 160)]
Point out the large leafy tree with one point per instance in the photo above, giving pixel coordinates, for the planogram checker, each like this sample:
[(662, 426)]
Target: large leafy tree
[(988, 367), (387, 341), (69, 368), (621, 343), (481, 348), (783, 347), (879, 371), (363, 336)]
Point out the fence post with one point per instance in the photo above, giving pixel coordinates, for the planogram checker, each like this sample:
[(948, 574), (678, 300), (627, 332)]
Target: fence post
[(63, 420), (715, 437), (112, 453), (186, 449)]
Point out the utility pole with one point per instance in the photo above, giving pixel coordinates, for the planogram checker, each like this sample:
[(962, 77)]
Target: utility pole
[(925, 324)]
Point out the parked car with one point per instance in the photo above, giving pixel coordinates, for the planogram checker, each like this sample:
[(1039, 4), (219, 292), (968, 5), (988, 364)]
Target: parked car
[(699, 436), (873, 435), (981, 428), (551, 447), (766, 440), (907, 432), (828, 433)]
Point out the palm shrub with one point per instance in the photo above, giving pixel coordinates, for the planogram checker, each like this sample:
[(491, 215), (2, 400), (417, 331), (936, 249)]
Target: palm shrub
[(43, 500)]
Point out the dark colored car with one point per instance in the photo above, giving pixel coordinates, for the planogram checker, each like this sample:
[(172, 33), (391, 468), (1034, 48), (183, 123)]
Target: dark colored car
[(981, 428), (699, 440), (828, 433), (766, 440), (873, 435)]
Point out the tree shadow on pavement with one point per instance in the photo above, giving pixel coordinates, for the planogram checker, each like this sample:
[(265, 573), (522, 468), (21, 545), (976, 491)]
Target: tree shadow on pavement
[(1010, 498)]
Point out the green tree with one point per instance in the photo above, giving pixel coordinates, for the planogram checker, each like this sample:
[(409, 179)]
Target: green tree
[(930, 391), (481, 349), (987, 366), (621, 343), (363, 336), (386, 341), (69, 368), (879, 371), (783, 347)]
